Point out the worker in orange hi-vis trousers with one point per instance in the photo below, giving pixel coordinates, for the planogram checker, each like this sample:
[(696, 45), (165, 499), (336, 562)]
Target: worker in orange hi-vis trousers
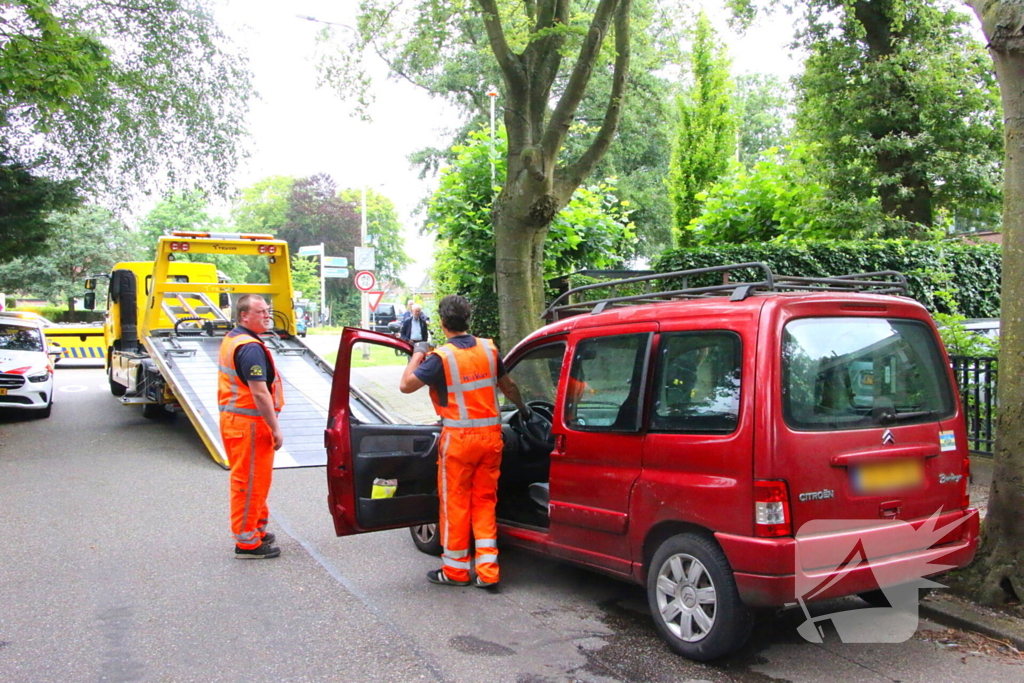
[(250, 395), (464, 376)]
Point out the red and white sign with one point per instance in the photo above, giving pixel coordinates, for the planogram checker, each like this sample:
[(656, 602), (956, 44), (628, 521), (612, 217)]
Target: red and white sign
[(373, 298), (365, 281)]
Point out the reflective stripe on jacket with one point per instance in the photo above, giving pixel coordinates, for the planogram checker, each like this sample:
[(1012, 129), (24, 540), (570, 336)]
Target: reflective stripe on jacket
[(471, 376), (233, 396)]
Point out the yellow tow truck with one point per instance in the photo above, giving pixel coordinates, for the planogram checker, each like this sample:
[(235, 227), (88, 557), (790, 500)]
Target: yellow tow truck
[(166, 320)]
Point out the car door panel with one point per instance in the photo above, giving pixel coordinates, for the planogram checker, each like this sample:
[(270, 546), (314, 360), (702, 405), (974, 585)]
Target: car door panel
[(364, 443), (597, 458), (405, 454)]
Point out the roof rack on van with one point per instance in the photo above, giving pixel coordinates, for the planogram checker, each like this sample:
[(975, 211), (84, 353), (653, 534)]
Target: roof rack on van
[(881, 282)]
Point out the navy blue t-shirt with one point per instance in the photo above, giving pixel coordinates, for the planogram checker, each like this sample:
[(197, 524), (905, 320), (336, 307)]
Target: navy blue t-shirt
[(431, 370), (251, 360)]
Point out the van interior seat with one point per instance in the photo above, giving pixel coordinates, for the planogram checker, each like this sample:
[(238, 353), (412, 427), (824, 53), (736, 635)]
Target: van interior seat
[(540, 493)]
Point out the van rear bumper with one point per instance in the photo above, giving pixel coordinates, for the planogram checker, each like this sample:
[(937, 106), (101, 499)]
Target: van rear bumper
[(765, 568)]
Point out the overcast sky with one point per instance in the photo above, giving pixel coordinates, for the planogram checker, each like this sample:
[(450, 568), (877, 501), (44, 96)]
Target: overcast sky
[(299, 130)]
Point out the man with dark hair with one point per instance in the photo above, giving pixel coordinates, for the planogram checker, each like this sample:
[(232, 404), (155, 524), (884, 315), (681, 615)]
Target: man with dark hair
[(464, 376), (250, 395)]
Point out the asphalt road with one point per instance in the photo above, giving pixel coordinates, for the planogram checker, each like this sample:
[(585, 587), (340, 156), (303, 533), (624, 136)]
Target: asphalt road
[(117, 565)]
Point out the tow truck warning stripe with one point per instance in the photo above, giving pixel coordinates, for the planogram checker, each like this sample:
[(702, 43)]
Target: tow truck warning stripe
[(83, 352)]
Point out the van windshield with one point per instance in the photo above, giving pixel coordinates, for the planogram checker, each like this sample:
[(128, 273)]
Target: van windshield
[(850, 373)]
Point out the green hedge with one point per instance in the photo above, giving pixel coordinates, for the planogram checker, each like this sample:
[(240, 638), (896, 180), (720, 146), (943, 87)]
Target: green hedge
[(58, 314), (947, 277)]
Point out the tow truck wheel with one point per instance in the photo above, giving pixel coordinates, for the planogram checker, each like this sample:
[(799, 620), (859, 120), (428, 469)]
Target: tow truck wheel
[(155, 411), (115, 388)]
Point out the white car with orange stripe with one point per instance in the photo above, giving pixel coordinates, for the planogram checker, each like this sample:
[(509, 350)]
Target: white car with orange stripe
[(26, 370)]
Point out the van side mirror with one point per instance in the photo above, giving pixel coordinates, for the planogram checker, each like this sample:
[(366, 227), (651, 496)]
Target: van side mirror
[(225, 300), (89, 301), (90, 284)]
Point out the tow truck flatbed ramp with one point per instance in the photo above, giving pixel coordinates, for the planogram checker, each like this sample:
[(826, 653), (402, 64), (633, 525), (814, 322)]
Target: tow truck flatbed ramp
[(190, 366)]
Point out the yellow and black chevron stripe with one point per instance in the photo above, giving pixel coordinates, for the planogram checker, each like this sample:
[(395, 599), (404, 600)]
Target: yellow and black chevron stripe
[(84, 352)]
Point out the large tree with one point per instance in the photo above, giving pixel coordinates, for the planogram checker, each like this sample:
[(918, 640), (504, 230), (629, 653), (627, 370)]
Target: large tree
[(592, 231), (80, 244), (999, 566), (262, 207), (547, 52), (901, 100), (126, 96), (763, 104), (705, 133), (189, 211), (26, 198), (316, 214)]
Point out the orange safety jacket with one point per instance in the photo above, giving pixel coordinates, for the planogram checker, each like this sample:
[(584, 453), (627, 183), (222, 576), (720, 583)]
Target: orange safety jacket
[(233, 396), (471, 376)]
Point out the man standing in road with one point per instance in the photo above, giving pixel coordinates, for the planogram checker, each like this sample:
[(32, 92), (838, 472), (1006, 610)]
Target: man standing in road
[(250, 394), (464, 376), (414, 328)]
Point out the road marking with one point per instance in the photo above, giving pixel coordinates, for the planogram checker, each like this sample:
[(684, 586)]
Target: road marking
[(74, 388)]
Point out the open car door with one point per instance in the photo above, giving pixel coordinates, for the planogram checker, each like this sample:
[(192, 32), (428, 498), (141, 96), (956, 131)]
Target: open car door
[(374, 432)]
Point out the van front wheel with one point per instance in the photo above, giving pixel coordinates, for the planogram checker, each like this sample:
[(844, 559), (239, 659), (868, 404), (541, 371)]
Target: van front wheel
[(427, 539), (694, 601)]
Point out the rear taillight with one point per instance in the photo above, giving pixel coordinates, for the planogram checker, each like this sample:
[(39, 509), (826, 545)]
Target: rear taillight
[(771, 509), (965, 500)]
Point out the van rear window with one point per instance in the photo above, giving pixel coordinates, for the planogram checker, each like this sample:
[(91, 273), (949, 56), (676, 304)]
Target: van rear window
[(850, 373)]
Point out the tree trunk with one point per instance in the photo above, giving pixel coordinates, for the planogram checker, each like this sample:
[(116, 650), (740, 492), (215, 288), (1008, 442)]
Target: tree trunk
[(998, 572), (537, 186), (519, 234)]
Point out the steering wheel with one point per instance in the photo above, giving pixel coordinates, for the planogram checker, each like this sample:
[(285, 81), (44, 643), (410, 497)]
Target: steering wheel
[(537, 431)]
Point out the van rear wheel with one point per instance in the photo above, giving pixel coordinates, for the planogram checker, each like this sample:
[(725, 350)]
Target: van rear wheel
[(693, 599)]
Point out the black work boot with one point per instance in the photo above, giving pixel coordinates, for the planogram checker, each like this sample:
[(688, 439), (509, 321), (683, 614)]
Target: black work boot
[(264, 552)]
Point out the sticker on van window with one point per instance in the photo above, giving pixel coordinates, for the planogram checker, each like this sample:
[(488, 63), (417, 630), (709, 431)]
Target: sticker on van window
[(947, 441)]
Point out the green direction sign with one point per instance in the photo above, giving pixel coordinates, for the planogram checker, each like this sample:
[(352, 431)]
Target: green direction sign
[(335, 262), (335, 272)]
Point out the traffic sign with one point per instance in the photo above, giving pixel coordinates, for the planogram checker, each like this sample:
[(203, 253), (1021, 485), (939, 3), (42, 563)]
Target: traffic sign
[(335, 272), (365, 258), (373, 298), (335, 262), (315, 250), (365, 280)]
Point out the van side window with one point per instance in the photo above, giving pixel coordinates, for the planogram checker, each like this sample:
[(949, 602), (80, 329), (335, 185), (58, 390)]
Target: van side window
[(605, 387), (536, 375), (697, 386)]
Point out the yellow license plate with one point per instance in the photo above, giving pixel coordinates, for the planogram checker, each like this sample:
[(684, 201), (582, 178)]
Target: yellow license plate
[(3, 392), (882, 477)]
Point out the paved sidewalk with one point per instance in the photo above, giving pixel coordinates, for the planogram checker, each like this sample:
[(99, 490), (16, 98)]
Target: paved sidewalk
[(956, 612)]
